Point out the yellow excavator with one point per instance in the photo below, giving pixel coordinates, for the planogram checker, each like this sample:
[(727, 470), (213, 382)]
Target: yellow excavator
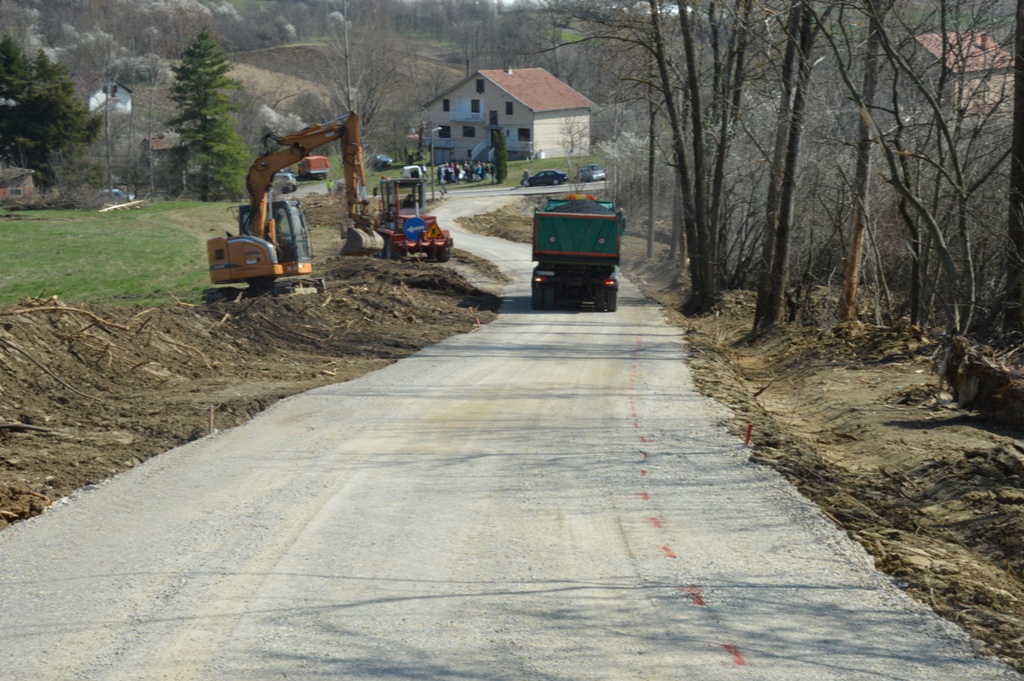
[(273, 240)]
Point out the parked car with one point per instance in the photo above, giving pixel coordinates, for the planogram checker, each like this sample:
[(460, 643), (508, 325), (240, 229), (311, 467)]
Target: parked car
[(115, 195), (382, 161), (285, 182), (592, 173), (547, 178)]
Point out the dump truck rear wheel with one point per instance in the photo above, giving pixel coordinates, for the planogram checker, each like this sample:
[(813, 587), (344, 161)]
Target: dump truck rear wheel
[(611, 301), (549, 298), (445, 254)]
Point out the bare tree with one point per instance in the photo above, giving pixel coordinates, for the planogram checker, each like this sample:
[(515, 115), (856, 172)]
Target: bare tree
[(1014, 303), (795, 80), (859, 210)]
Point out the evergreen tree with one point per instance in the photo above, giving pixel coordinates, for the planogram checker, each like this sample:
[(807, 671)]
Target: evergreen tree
[(500, 156), (212, 155), (41, 118)]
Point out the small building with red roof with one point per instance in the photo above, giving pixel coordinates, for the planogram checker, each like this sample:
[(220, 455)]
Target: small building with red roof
[(539, 115), (978, 66)]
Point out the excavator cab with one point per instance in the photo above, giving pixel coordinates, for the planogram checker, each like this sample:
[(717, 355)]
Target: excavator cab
[(290, 227), (255, 260)]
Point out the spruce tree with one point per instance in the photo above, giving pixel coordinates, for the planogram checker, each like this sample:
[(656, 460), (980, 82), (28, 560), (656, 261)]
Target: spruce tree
[(212, 155), (41, 117), (500, 156)]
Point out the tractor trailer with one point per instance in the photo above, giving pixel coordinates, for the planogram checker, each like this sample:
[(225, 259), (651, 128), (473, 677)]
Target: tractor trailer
[(576, 246)]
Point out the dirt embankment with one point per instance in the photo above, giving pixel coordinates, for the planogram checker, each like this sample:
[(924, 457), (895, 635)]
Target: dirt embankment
[(88, 391), (854, 417)]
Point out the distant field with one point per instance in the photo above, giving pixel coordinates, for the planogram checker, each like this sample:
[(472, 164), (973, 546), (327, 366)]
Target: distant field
[(279, 73), (133, 256)]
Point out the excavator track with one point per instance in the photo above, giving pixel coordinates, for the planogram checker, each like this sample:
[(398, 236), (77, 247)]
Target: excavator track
[(280, 287)]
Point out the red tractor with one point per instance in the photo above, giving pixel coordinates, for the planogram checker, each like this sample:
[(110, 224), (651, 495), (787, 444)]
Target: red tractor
[(404, 224)]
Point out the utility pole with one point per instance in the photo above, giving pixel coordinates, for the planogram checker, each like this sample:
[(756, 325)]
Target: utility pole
[(433, 166), (106, 132), (348, 62)]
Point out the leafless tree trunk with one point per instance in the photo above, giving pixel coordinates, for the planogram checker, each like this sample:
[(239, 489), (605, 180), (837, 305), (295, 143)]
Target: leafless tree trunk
[(859, 211), (1014, 304), (652, 149), (660, 55), (796, 75)]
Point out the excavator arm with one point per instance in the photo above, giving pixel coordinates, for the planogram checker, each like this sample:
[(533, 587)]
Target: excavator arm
[(344, 129)]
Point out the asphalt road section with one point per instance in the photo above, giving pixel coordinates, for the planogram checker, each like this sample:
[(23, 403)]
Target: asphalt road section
[(545, 499)]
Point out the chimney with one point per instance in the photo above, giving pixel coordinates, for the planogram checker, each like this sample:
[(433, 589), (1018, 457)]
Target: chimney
[(508, 70)]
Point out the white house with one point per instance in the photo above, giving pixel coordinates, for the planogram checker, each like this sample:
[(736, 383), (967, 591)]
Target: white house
[(118, 94), (539, 115)]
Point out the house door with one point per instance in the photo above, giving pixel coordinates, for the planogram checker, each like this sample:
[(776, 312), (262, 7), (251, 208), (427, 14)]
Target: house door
[(493, 118)]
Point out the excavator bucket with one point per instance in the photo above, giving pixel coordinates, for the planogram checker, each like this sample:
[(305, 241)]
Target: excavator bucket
[(358, 242)]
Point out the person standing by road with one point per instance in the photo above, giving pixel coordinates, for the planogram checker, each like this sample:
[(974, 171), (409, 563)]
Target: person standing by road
[(526, 178)]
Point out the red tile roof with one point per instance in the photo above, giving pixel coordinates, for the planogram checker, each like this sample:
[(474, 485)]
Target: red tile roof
[(967, 51), (537, 89)]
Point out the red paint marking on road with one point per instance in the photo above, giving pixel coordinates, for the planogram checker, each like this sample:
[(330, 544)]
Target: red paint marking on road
[(750, 430), (655, 522), (645, 455), (696, 595), (645, 496), (669, 553), (643, 472), (737, 656), (644, 438)]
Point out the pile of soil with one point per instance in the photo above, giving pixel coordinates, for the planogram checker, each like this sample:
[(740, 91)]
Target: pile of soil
[(88, 390), (856, 418)]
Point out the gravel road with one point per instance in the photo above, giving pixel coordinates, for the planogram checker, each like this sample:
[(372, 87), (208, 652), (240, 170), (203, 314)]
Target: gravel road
[(545, 499)]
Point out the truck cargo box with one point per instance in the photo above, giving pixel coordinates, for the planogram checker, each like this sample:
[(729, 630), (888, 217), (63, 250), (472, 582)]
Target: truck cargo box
[(577, 231), (576, 245), (314, 167)]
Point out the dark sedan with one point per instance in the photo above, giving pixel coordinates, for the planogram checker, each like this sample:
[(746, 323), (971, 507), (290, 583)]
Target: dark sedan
[(547, 178)]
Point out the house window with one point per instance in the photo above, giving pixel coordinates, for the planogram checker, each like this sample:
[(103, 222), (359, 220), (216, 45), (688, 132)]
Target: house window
[(508, 108), (468, 131), (524, 134), (474, 105), (445, 131), (446, 105), (479, 84), (493, 118)]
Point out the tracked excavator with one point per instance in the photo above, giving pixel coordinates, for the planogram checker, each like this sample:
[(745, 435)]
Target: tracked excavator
[(272, 252)]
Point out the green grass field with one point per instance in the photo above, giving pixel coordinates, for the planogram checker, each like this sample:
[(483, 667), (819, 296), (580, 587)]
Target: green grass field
[(143, 256)]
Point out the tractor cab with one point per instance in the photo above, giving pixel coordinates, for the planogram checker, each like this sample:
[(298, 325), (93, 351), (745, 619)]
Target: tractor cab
[(402, 198)]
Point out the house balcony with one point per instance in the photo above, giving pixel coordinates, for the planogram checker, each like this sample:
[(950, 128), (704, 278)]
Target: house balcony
[(466, 117), (443, 143)]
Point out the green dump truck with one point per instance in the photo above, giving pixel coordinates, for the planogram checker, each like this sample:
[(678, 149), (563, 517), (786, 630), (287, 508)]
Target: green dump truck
[(576, 247)]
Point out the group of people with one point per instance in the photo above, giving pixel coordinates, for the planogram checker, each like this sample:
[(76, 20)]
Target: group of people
[(455, 172)]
